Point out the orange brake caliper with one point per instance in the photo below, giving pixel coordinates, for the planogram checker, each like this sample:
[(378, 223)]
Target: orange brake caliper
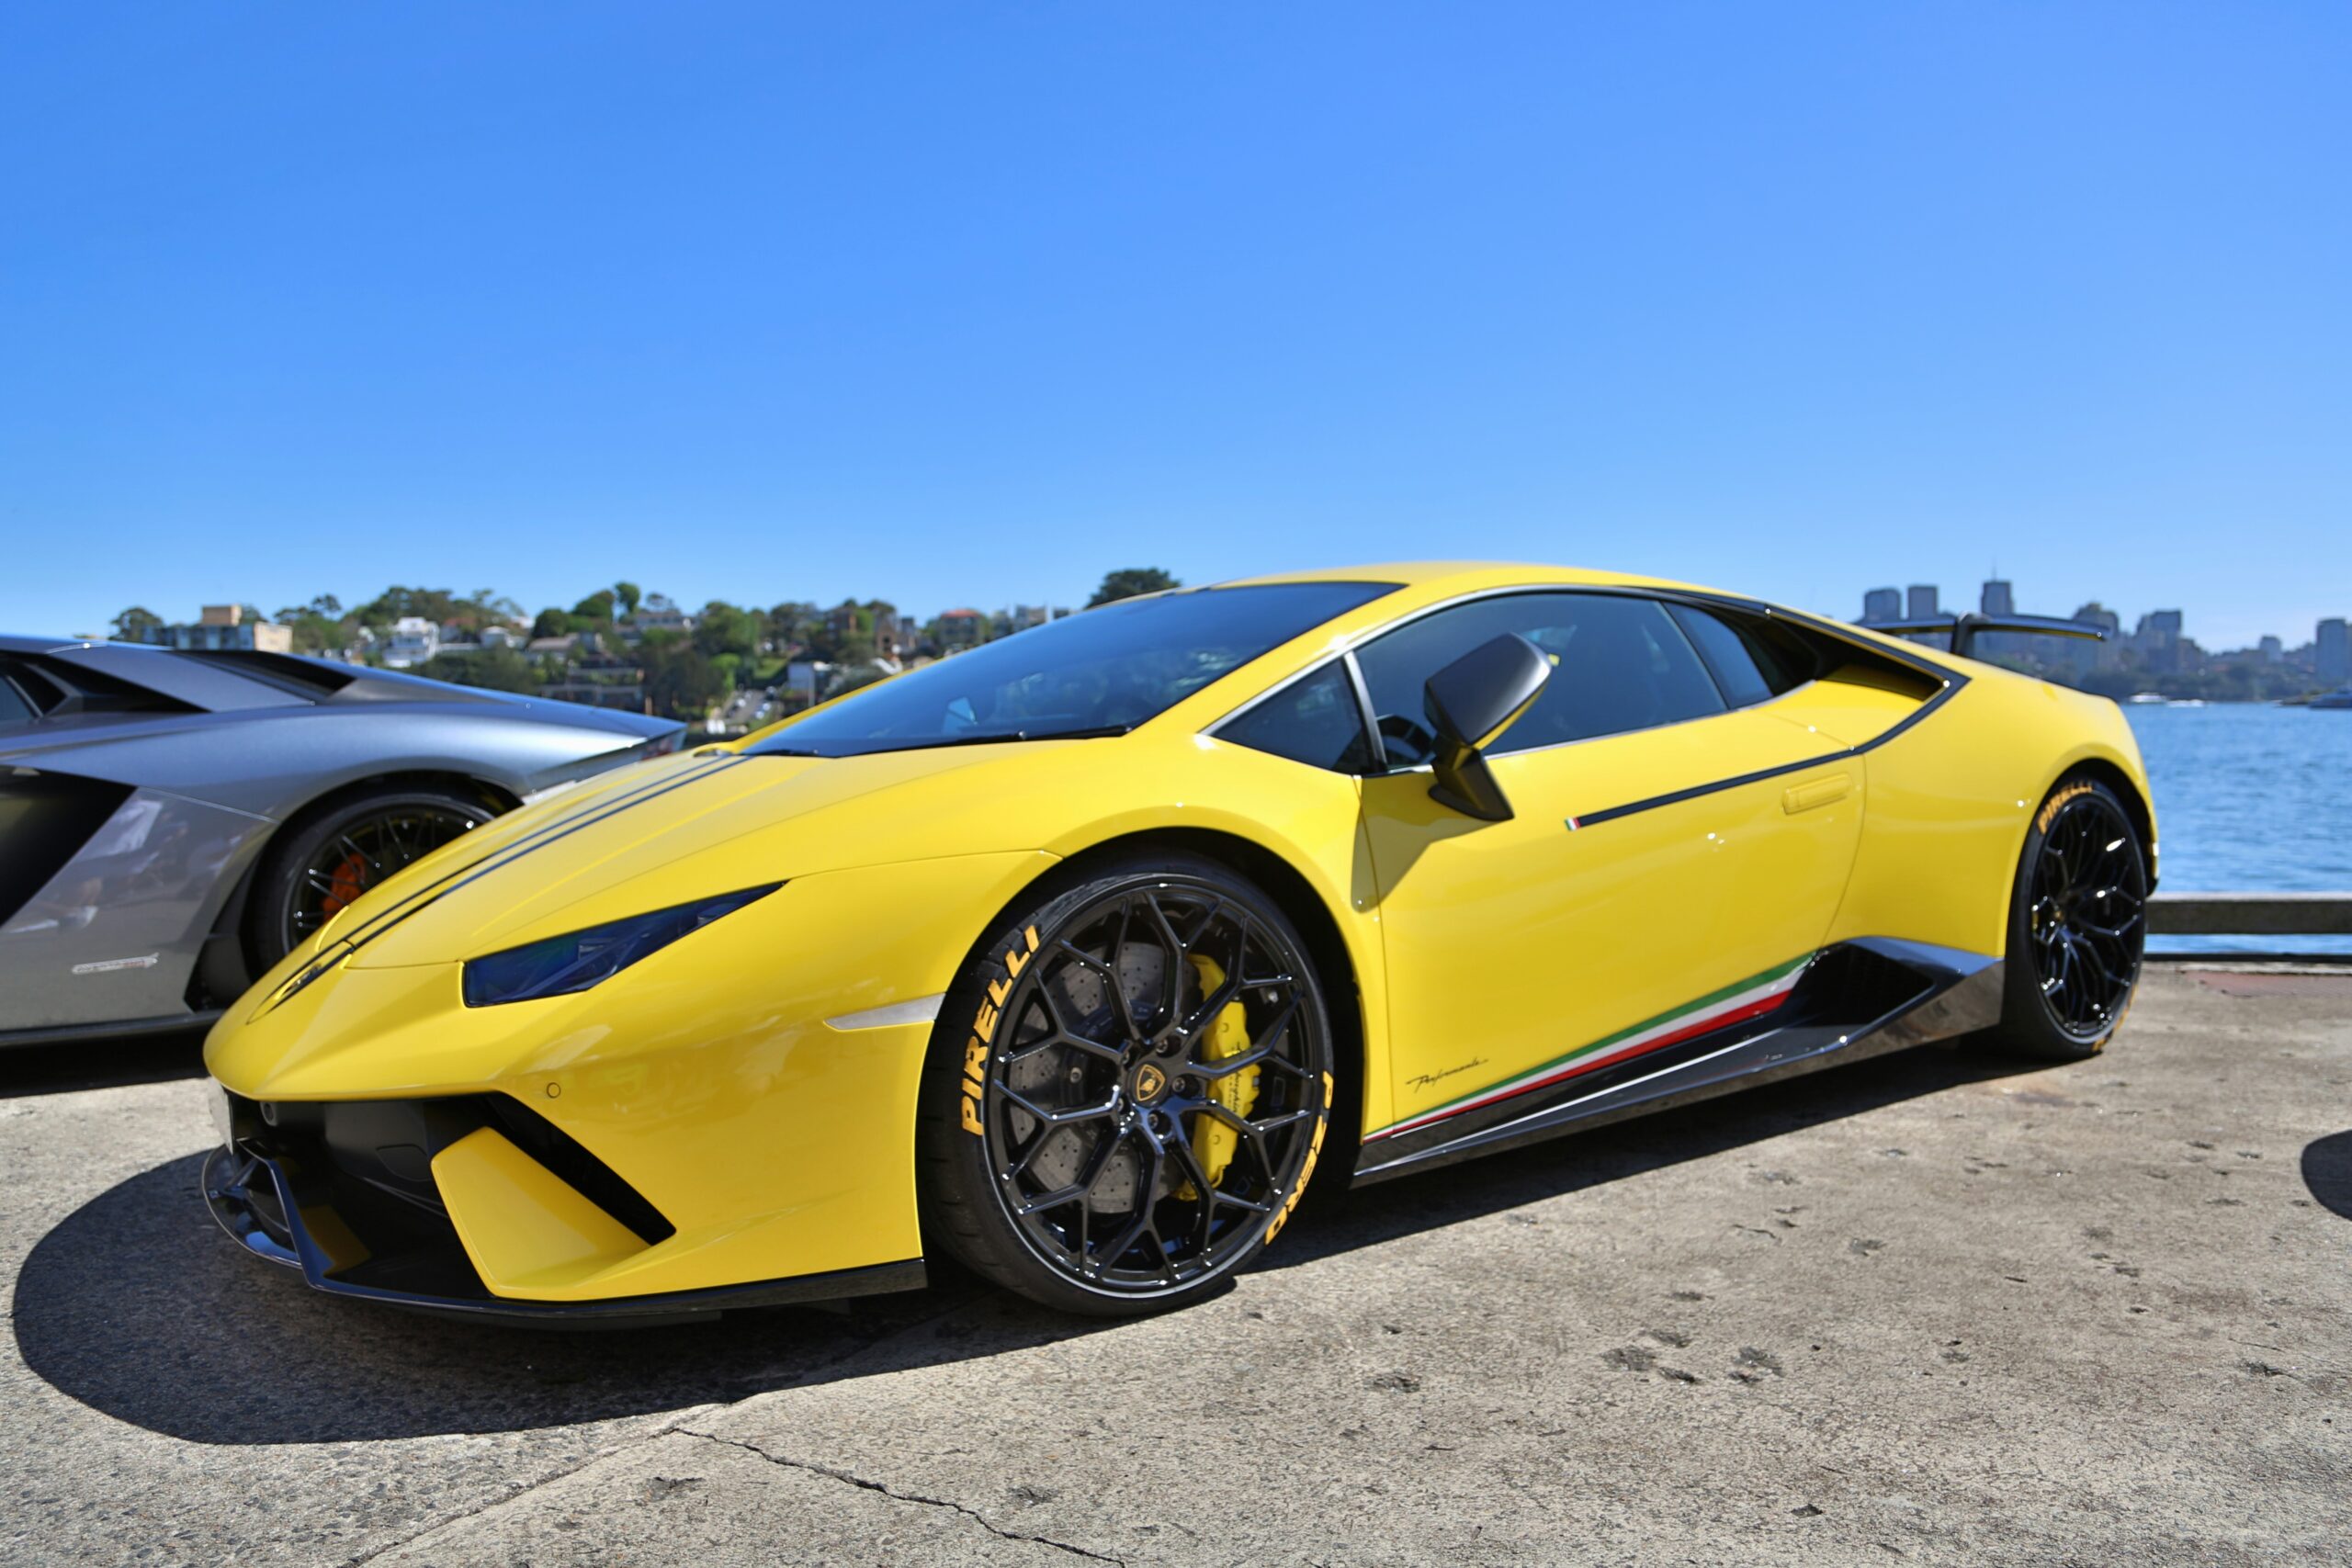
[(349, 881)]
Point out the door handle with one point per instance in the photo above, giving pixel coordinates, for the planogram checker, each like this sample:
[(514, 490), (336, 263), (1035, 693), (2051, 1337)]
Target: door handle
[(1815, 792)]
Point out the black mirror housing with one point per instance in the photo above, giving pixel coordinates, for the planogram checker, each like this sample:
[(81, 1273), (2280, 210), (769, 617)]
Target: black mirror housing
[(1469, 703)]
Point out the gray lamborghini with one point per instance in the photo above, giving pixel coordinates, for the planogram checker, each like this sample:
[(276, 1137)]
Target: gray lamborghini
[(171, 823)]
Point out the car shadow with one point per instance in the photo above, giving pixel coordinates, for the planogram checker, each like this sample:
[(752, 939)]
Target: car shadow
[(138, 1307), (2327, 1172), (100, 1063)]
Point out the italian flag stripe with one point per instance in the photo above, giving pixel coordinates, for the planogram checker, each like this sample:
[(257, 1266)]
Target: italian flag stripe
[(1736, 1003)]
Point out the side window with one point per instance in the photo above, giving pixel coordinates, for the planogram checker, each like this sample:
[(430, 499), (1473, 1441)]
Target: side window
[(1750, 665), (1621, 663), (1315, 721), (13, 709)]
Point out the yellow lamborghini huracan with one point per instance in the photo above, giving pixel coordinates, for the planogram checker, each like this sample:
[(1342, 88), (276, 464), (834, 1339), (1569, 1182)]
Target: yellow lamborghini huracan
[(1081, 955)]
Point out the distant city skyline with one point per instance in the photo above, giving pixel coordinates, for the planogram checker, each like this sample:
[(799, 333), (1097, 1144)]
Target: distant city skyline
[(1997, 596)]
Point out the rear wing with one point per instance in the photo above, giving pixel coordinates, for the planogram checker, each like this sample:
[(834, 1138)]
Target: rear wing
[(1964, 630)]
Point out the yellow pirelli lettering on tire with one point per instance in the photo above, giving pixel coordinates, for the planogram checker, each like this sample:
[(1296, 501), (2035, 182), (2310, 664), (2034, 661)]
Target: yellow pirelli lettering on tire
[(1306, 1171), (974, 1082), (2057, 803)]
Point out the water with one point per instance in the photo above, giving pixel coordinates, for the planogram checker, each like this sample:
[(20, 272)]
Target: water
[(2253, 799)]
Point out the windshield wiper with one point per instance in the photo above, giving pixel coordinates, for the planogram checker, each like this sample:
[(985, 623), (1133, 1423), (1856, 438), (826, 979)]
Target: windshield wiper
[(992, 737), (1092, 732)]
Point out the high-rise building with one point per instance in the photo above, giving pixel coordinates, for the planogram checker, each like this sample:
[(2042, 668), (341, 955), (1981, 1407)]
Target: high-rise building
[(1997, 599), (1922, 604), (2332, 649), (1882, 604), (2162, 649), (2271, 650), (2085, 655)]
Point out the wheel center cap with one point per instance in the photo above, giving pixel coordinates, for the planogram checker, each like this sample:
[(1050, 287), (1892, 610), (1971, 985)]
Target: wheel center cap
[(1150, 1083)]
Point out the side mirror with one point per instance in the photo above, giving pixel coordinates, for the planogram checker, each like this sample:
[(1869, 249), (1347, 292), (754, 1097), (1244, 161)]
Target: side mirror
[(1470, 702)]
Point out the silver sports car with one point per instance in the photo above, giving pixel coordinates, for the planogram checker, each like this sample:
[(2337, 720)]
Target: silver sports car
[(172, 823)]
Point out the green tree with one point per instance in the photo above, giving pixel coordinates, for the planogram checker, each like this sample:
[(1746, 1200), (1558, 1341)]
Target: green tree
[(791, 621), (493, 669), (134, 622), (435, 604), (722, 628), (1128, 581), (597, 608), (552, 621), (679, 682), (630, 596), (316, 630)]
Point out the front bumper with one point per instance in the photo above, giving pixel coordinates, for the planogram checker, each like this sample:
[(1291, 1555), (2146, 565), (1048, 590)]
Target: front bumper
[(302, 1208)]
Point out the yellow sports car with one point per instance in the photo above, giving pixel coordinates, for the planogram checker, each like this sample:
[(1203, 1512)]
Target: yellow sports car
[(1081, 955)]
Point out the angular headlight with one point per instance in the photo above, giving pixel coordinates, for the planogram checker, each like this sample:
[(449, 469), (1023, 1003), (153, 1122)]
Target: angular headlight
[(576, 962)]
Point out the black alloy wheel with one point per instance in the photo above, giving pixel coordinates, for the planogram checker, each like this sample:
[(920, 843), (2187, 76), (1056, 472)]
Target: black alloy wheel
[(323, 863), (1129, 1094), (2078, 925)]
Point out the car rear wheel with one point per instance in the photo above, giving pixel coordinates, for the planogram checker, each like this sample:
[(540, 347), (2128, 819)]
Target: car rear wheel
[(2077, 925), (320, 863), (1126, 1094)]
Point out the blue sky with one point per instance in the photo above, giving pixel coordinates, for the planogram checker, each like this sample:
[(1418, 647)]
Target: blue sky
[(969, 303)]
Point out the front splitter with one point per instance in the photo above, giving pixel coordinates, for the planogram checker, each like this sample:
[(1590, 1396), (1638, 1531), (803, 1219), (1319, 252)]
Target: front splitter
[(241, 1188)]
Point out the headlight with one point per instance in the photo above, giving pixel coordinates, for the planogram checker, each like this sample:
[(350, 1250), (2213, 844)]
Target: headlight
[(561, 965)]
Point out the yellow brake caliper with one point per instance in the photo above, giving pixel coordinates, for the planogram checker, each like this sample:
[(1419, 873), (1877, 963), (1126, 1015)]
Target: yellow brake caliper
[(1228, 1035)]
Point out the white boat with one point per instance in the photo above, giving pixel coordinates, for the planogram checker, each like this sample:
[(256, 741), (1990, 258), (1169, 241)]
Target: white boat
[(2336, 699), (2145, 699)]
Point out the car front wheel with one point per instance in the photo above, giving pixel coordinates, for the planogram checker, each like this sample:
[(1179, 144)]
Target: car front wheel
[(325, 860), (1128, 1093)]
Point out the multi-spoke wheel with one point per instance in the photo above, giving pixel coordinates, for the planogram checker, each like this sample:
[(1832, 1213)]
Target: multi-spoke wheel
[(2076, 926), (323, 862), (1128, 1093)]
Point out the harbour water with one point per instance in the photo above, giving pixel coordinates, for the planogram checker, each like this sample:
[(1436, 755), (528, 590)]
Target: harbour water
[(2250, 799)]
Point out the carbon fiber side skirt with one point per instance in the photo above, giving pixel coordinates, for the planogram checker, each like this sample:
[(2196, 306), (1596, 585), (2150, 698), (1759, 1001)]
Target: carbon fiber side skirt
[(1855, 1000)]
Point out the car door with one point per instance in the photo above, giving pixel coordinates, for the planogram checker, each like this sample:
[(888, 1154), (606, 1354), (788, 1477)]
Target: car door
[(1675, 856)]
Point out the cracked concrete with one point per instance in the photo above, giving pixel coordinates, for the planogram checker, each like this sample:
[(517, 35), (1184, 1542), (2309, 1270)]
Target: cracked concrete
[(1919, 1309), (836, 1474)]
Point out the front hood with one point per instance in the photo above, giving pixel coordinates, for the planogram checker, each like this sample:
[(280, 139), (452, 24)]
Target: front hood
[(674, 831)]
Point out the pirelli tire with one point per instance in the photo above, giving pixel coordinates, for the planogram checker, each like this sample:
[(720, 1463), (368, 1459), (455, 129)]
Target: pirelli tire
[(2077, 927), (1127, 1092)]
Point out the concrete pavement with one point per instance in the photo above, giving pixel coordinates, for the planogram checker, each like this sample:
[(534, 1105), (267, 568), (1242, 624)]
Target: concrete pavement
[(1922, 1309)]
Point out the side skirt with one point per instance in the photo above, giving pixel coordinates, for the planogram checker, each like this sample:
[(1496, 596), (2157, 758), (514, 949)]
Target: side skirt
[(128, 1029), (1858, 999)]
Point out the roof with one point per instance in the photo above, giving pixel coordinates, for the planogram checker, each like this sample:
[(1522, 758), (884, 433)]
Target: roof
[(1455, 573)]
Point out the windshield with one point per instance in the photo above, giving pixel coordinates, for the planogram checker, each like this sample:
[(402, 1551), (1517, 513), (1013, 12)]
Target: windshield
[(1099, 672)]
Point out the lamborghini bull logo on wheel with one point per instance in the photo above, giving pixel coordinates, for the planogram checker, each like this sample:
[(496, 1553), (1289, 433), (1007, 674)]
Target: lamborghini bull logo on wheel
[(1176, 912)]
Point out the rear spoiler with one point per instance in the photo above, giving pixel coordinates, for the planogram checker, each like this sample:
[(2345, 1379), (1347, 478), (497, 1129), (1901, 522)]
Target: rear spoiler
[(1964, 630)]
